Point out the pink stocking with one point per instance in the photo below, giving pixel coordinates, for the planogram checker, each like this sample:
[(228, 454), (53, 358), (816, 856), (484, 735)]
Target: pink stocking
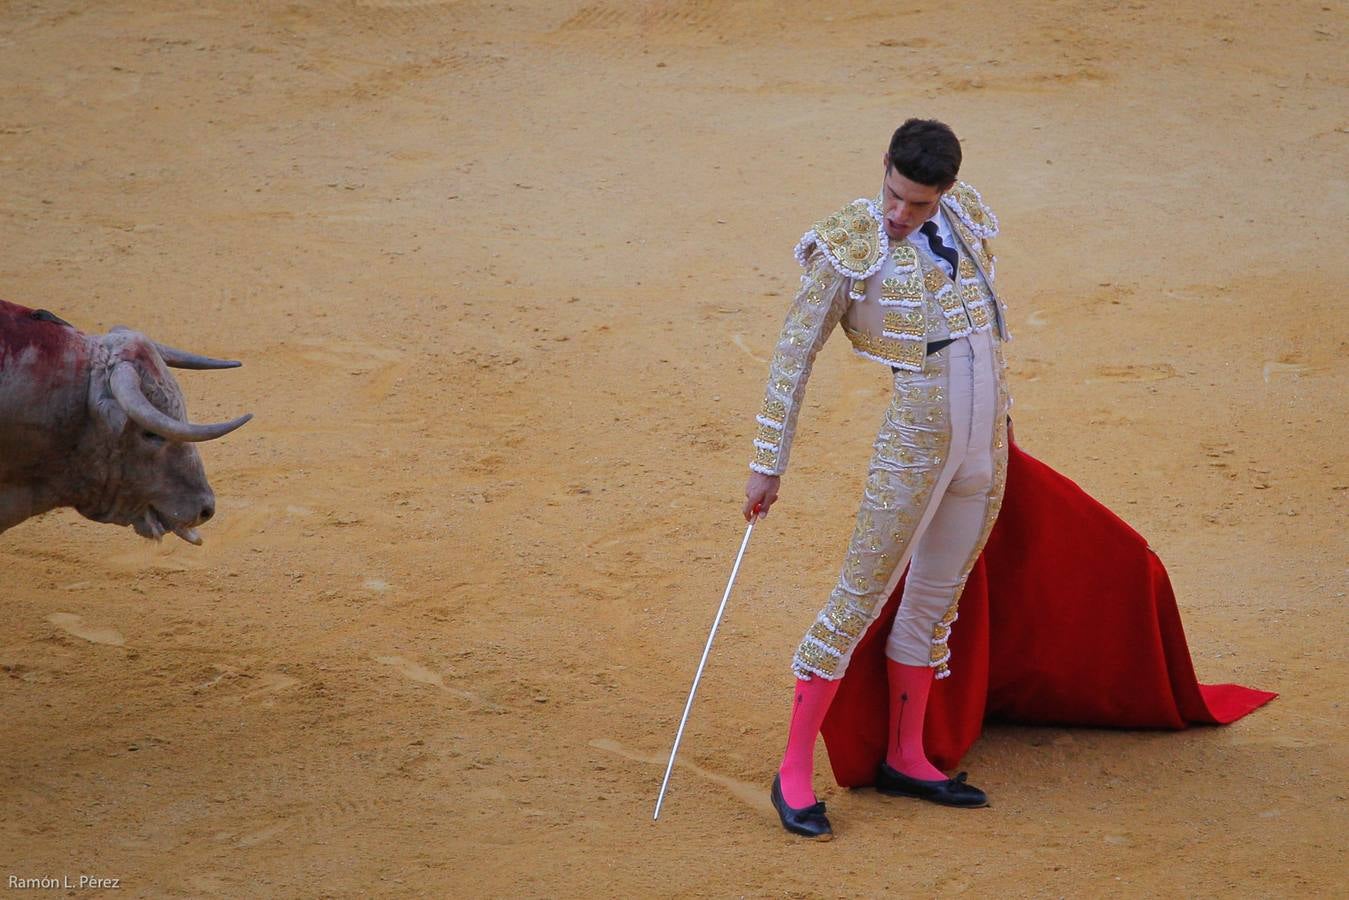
[(809, 704), (909, 689)]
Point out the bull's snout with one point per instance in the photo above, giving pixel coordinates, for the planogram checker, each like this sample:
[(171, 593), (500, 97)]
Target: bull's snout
[(207, 511)]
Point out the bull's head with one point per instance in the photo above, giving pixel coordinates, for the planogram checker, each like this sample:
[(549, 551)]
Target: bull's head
[(155, 481)]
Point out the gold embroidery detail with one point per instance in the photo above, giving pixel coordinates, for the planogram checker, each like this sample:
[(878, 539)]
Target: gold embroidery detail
[(907, 322), (845, 620), (915, 479), (813, 658), (958, 322), (904, 256), (967, 269), (978, 247), (800, 325), (903, 528), (851, 237), (979, 315), (894, 288), (786, 363), (864, 533), (956, 318), (831, 639), (891, 447), (970, 203), (895, 352), (775, 410), (856, 573), (769, 435), (894, 448), (918, 393), (966, 235), (766, 458), (934, 279)]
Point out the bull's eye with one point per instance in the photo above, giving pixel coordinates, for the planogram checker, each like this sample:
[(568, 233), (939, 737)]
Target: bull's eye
[(152, 437)]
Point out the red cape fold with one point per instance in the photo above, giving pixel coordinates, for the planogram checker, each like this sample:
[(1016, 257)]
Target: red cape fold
[(1068, 618)]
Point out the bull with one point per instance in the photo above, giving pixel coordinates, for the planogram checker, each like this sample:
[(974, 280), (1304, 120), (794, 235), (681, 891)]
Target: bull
[(97, 422)]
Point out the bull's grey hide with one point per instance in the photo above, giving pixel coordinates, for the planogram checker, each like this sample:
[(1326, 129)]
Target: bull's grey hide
[(97, 422)]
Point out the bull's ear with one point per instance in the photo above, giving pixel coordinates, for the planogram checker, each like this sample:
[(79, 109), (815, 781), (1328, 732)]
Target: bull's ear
[(105, 408)]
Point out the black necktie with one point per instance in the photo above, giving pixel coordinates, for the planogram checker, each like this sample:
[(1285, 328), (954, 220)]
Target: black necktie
[(934, 241)]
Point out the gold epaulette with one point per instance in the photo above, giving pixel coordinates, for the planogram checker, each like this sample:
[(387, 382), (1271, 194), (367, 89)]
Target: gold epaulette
[(964, 201), (852, 239)]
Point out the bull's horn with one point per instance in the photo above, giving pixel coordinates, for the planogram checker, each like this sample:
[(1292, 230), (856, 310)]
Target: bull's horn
[(182, 359), (126, 387)]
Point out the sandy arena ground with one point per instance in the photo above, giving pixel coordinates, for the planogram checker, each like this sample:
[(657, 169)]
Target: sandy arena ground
[(505, 277)]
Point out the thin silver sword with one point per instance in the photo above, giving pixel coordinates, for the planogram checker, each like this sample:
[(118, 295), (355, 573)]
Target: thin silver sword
[(711, 635)]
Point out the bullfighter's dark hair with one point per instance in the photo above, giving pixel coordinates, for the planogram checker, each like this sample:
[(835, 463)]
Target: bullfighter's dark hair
[(925, 151)]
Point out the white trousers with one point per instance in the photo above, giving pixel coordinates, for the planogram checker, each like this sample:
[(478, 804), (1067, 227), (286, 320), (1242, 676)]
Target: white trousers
[(933, 490)]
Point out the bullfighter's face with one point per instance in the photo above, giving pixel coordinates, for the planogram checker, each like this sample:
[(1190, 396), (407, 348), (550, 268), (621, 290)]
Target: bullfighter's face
[(906, 204)]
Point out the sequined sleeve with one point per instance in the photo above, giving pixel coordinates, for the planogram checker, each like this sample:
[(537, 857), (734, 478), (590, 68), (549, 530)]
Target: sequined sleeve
[(814, 313)]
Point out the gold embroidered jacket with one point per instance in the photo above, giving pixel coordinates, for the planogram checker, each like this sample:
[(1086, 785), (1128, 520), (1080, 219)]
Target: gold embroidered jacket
[(891, 301)]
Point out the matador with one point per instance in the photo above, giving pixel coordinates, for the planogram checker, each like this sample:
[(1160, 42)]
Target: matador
[(910, 276)]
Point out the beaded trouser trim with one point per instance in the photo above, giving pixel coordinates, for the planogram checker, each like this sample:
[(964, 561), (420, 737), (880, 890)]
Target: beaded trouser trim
[(909, 454)]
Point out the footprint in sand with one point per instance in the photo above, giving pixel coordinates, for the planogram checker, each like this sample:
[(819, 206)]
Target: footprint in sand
[(419, 673), (150, 557), (753, 795), (1274, 367), (412, 670), (398, 5), (739, 341), (380, 368), (1279, 741), (98, 634), (1153, 372), (262, 835), (272, 682)]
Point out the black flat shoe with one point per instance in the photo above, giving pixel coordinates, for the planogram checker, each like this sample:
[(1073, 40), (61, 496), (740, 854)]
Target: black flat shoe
[(809, 822), (948, 792)]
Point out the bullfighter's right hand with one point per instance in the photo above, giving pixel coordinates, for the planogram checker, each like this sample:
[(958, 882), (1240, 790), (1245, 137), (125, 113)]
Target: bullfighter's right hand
[(761, 492)]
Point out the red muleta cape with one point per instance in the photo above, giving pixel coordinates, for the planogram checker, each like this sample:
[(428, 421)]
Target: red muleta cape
[(1068, 618)]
